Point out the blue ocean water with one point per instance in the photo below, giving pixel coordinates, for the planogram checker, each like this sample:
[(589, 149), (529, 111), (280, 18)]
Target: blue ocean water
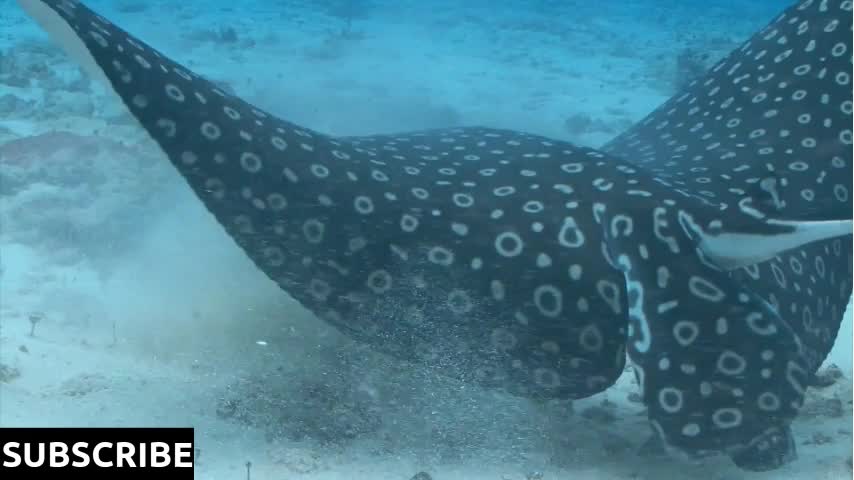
[(124, 302)]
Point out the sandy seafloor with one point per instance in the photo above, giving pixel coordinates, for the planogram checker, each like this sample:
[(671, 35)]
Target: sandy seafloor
[(148, 314)]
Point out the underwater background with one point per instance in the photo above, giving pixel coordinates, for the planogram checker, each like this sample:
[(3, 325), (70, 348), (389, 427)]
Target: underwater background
[(123, 302)]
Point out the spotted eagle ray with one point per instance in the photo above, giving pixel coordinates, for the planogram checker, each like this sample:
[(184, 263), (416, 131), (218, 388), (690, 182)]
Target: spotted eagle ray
[(710, 243)]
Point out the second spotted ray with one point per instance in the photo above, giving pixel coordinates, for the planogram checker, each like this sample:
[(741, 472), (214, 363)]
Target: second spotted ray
[(766, 133), (507, 259)]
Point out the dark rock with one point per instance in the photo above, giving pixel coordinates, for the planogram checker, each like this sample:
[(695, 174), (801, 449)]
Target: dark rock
[(132, 7), (85, 384), (690, 65), (615, 445), (826, 377), (818, 438), (227, 35), (7, 373), (350, 10), (421, 476), (582, 124), (578, 124), (823, 407), (599, 414), (12, 106)]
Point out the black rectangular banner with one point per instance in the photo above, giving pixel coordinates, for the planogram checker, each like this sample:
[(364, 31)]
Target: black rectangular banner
[(125, 453)]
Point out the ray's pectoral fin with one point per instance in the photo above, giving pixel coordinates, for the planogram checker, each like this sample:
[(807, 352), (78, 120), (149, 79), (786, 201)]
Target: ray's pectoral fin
[(770, 451), (720, 369)]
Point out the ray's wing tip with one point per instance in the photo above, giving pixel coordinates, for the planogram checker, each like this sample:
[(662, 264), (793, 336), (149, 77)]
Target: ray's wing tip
[(770, 451)]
